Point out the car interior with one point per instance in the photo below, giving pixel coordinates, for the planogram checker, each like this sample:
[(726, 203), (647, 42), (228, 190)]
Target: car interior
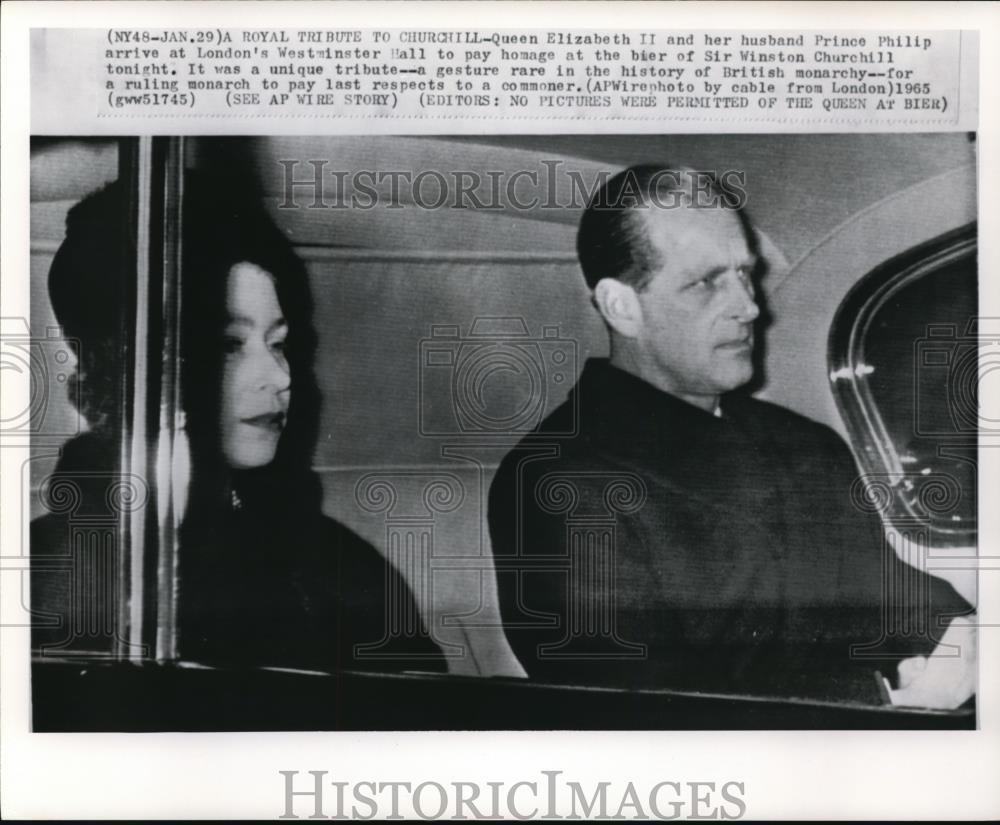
[(870, 290)]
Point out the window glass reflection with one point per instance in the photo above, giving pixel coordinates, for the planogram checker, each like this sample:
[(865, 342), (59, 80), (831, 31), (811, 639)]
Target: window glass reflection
[(919, 361), (81, 258)]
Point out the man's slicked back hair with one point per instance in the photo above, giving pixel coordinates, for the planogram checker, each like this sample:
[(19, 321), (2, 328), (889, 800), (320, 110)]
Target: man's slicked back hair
[(612, 241)]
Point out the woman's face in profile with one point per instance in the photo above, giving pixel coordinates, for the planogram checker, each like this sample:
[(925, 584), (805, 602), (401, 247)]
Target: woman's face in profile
[(256, 385)]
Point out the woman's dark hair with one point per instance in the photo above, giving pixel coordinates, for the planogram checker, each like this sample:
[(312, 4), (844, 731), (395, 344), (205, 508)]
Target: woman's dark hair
[(89, 295), (223, 227)]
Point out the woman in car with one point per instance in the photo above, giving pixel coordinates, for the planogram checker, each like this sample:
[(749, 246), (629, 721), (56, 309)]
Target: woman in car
[(264, 577)]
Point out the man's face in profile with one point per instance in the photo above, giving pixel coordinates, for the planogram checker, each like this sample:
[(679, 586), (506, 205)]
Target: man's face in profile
[(698, 308)]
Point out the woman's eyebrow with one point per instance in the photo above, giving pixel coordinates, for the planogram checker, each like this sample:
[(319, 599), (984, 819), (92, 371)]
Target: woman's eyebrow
[(247, 321)]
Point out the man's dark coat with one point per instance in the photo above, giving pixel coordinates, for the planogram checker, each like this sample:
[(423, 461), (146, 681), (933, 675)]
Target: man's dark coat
[(664, 546)]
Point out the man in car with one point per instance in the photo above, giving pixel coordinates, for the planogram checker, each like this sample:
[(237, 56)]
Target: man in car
[(687, 535)]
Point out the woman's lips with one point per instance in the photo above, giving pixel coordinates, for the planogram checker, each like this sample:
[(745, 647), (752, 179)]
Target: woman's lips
[(272, 422)]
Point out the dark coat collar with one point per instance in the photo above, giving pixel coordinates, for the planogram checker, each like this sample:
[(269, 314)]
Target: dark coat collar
[(628, 420), (612, 400)]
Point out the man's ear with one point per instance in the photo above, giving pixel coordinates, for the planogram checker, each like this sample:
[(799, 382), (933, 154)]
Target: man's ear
[(619, 305)]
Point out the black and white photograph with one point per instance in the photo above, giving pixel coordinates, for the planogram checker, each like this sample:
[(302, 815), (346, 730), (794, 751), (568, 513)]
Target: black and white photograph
[(551, 432), (551, 410)]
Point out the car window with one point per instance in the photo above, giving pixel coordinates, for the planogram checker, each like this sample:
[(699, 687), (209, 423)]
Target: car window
[(905, 352), (78, 339), (106, 441)]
